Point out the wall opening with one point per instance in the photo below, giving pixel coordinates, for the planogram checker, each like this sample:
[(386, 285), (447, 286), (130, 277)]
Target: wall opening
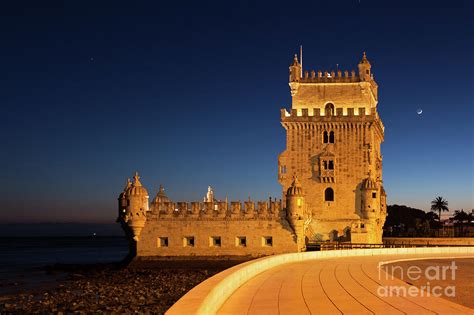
[(329, 194), (329, 109), (241, 241), (162, 241), (215, 241), (188, 241), (267, 241)]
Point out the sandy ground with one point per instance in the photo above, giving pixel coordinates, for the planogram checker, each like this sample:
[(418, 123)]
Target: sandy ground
[(143, 287)]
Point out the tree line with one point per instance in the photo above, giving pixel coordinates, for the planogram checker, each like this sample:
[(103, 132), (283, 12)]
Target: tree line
[(406, 221)]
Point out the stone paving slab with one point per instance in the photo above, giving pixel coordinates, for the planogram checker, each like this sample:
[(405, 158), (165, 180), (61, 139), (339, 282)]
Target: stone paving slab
[(332, 286)]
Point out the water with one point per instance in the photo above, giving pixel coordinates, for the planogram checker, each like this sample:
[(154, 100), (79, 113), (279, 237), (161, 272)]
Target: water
[(22, 259)]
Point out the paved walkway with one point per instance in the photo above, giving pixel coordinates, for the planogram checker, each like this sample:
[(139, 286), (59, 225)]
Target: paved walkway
[(332, 286)]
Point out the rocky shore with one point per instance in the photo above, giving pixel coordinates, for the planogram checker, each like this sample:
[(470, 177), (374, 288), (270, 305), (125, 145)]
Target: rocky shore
[(141, 287)]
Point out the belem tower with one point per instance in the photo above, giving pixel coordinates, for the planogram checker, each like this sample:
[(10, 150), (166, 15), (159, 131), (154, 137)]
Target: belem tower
[(330, 173)]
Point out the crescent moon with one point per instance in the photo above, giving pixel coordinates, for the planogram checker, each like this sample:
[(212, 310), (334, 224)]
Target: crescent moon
[(419, 111)]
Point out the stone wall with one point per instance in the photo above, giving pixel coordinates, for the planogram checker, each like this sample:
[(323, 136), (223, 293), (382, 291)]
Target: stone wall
[(262, 237)]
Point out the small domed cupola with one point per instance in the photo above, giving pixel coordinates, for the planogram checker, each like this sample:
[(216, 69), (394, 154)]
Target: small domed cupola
[(295, 189), (161, 196), (369, 184), (136, 188)]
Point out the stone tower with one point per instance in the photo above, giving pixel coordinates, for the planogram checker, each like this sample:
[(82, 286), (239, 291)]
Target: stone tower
[(133, 207), (333, 143)]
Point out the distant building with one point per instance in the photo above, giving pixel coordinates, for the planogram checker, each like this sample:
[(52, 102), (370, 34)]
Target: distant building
[(330, 172)]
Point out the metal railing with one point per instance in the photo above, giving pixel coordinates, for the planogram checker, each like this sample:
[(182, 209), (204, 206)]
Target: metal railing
[(347, 246)]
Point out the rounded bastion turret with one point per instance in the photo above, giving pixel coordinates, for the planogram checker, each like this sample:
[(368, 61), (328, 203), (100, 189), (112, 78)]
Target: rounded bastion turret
[(295, 205), (370, 197), (133, 207), (295, 201)]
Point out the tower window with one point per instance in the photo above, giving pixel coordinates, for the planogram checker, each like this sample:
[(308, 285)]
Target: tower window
[(374, 195), (241, 241), (328, 137), (215, 241), (188, 241), (328, 164), (329, 194), (267, 241), (329, 109), (162, 242)]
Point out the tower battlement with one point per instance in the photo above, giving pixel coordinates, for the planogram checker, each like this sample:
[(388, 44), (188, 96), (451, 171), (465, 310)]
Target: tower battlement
[(306, 85), (219, 210), (341, 115), (328, 77)]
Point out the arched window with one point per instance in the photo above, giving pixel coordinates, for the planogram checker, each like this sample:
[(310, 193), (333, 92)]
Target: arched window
[(331, 137), (325, 137), (329, 109), (329, 194), (331, 165)]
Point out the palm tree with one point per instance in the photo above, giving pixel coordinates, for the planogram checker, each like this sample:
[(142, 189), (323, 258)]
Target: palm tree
[(439, 204)]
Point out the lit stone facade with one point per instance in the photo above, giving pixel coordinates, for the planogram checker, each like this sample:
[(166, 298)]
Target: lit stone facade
[(331, 174), (333, 141), (208, 228)]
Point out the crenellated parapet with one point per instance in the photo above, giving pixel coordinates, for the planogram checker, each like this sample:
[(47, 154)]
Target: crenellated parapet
[(318, 113), (219, 210), (341, 115), (339, 76), (300, 78)]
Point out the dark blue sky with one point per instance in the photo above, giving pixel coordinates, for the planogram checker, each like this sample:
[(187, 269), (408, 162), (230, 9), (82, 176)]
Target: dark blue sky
[(189, 94)]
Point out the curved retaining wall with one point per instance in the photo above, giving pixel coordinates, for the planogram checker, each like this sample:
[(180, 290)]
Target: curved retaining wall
[(207, 297), (433, 241)]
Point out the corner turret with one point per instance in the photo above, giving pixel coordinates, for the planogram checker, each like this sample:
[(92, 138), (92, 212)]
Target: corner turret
[(295, 70), (295, 75), (295, 205), (133, 206), (370, 197), (364, 69)]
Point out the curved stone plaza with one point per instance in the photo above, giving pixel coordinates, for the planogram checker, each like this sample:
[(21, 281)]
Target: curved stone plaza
[(336, 282)]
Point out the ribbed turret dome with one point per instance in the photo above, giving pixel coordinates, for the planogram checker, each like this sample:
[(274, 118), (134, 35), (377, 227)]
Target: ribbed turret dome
[(136, 189), (295, 189), (161, 196), (369, 183)]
